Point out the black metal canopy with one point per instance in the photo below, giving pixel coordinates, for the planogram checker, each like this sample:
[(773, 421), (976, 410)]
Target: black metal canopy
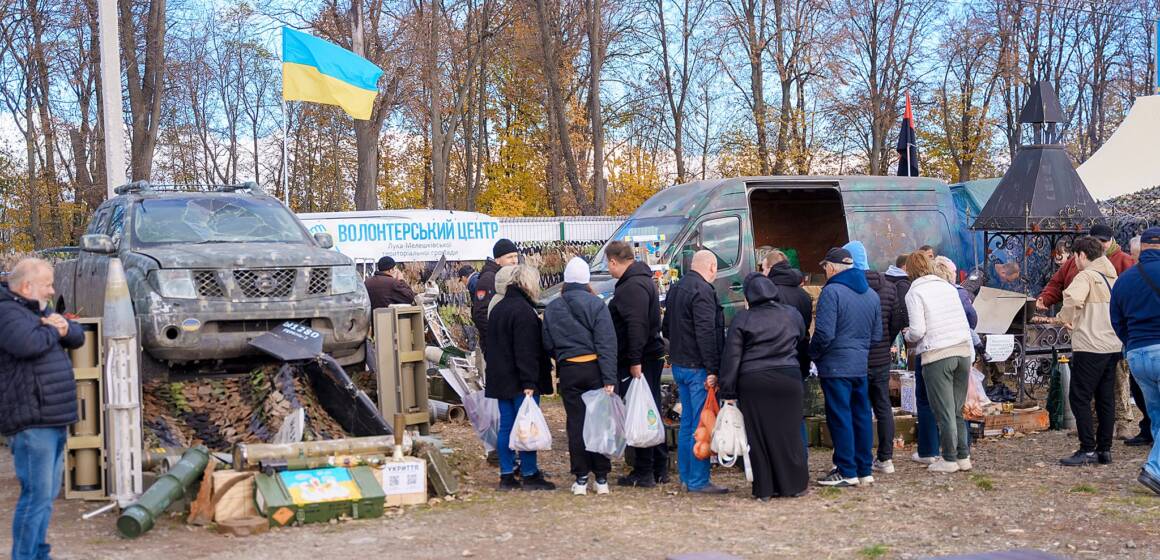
[(1040, 192)]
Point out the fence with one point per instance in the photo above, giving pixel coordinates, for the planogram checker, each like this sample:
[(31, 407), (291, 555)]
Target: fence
[(568, 229)]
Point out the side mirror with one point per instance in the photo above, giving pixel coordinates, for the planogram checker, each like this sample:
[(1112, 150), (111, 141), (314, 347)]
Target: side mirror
[(98, 243), (325, 240)]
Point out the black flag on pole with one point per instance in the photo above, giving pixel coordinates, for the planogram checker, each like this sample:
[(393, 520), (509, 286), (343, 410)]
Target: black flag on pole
[(907, 144)]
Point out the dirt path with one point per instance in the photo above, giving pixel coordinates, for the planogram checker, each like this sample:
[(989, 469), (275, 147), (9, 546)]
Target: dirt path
[(1017, 497)]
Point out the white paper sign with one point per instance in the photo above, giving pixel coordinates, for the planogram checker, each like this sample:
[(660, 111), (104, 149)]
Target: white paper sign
[(404, 477), (1000, 346), (996, 309)]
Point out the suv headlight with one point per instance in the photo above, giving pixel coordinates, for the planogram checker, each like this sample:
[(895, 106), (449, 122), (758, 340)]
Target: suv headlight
[(343, 280), (175, 284)]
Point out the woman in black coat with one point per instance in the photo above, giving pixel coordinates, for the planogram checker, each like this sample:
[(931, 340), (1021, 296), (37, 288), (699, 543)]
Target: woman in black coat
[(760, 370), (517, 368)]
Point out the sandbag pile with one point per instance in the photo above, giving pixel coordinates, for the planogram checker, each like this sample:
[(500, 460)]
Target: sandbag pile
[(220, 412)]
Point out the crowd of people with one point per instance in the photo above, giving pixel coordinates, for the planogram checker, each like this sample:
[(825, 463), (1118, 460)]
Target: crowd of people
[(762, 359)]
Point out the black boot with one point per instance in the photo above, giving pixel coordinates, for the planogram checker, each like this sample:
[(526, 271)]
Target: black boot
[(537, 482), (1140, 440), (1105, 457), (1151, 482), (1079, 459), (508, 482), (638, 480)]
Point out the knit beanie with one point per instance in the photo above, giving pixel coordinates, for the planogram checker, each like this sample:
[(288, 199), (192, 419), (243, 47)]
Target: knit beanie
[(576, 272), (503, 247)]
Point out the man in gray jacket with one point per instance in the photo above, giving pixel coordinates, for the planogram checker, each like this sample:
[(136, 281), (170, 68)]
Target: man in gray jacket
[(579, 335)]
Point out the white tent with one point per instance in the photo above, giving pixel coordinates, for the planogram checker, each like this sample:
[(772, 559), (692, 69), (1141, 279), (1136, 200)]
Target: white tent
[(1130, 160)]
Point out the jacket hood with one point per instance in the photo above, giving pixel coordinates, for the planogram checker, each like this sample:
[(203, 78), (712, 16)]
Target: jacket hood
[(247, 255), (637, 268), (759, 289), (490, 266), (783, 274), (1151, 255), (1103, 266), (575, 287), (503, 277), (853, 278), (896, 272), (858, 251)]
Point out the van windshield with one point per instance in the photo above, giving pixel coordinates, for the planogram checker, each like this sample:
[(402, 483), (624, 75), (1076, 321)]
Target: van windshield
[(214, 220), (659, 231)]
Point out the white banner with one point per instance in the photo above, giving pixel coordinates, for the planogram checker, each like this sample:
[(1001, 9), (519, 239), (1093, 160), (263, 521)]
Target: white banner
[(408, 235)]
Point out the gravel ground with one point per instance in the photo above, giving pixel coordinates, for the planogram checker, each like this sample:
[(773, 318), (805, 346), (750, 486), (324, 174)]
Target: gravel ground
[(1017, 497)]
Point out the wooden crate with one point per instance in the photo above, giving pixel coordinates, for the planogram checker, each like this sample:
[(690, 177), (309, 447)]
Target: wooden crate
[(238, 501), (1022, 422)]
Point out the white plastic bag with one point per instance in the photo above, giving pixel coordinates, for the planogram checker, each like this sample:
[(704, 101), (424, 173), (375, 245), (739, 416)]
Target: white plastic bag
[(642, 422), (483, 413), (603, 423), (729, 439), (530, 432)]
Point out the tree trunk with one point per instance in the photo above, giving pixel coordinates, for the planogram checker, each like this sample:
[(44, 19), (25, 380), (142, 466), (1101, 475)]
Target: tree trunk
[(145, 84), (556, 110), (33, 187), (757, 91), (596, 48)]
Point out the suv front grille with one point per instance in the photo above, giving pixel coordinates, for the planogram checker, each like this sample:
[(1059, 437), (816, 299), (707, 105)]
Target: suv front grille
[(265, 282), (319, 281), (208, 285)]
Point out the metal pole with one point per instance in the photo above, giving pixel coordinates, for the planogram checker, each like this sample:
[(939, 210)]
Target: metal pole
[(114, 121), (285, 179)]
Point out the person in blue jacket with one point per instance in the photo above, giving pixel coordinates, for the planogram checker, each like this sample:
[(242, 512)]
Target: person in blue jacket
[(1136, 320), (848, 320)]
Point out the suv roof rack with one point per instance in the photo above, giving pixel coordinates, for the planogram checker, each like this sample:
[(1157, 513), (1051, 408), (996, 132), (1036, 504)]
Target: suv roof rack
[(145, 186)]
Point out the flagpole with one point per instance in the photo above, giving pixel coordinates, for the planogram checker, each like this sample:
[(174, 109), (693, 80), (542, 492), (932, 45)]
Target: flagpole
[(285, 179)]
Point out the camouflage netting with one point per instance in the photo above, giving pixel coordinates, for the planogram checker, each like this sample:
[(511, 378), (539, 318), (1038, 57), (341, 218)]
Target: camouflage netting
[(1132, 213), (219, 413)]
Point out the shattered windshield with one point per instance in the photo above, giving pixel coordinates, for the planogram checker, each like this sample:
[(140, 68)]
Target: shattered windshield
[(227, 219)]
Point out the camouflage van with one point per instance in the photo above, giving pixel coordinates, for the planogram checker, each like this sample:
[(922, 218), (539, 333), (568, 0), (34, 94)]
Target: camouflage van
[(803, 216), (210, 271)]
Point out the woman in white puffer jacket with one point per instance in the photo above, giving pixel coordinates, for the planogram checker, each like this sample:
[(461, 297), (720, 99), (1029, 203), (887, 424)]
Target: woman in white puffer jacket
[(940, 334)]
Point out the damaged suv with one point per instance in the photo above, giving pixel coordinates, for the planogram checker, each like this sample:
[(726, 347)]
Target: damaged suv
[(210, 271)]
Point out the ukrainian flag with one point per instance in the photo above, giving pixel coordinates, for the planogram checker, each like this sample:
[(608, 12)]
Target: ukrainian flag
[(322, 72)]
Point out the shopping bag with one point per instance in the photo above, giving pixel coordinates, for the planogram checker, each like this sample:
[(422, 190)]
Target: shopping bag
[(483, 412), (642, 421), (729, 440), (530, 431), (703, 437), (603, 423)]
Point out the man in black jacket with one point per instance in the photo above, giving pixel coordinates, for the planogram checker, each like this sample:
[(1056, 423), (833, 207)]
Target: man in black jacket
[(790, 292), (636, 317), (387, 286), (506, 254), (38, 399), (695, 327)]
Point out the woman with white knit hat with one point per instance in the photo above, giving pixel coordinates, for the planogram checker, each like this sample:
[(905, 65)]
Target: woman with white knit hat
[(579, 335)]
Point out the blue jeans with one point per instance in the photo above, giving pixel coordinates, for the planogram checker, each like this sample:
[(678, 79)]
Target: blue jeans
[(851, 424), (1145, 365), (691, 387), (928, 434), (508, 408), (38, 458)]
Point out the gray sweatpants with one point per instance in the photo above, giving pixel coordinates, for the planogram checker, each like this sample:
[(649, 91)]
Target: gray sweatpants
[(946, 389)]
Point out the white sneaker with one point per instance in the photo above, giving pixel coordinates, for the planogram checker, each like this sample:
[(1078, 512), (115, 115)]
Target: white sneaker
[(885, 467), (865, 480), (602, 489), (964, 464), (923, 460), (579, 489), (943, 466)]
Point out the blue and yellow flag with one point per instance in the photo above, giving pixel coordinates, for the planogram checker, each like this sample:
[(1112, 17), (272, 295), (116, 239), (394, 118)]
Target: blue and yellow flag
[(322, 72)]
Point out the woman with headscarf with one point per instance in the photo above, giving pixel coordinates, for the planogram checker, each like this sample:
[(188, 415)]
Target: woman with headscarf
[(518, 369), (760, 371)]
